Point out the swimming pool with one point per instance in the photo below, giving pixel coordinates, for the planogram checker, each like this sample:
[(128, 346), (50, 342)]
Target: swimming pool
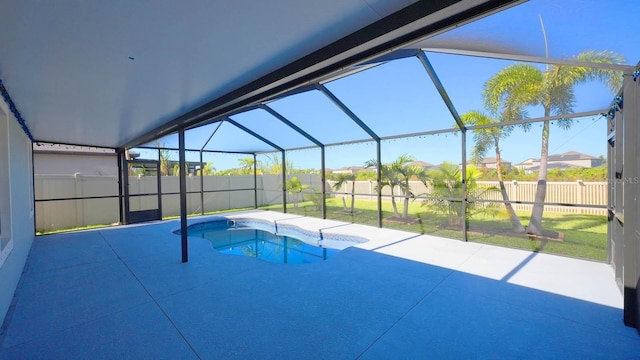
[(270, 241)]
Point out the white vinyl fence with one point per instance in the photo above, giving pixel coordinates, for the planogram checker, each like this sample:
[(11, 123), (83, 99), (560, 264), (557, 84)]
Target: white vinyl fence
[(573, 194), (237, 191), (230, 192)]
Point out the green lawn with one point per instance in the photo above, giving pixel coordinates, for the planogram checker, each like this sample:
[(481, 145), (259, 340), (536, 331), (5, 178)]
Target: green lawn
[(584, 236)]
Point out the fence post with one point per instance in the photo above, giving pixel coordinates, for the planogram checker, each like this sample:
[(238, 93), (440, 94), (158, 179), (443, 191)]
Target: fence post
[(579, 185)]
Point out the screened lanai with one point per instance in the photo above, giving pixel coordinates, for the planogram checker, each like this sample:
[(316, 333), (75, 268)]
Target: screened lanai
[(399, 131)]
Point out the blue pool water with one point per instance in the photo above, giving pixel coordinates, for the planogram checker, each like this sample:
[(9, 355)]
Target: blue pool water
[(263, 245)]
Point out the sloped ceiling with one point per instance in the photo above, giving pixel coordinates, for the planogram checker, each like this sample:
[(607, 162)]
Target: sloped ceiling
[(105, 73)]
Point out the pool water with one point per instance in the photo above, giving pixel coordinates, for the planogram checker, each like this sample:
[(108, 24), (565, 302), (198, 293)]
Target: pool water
[(264, 245)]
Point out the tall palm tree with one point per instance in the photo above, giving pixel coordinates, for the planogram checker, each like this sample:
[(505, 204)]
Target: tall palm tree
[(485, 139), (551, 88), (342, 180)]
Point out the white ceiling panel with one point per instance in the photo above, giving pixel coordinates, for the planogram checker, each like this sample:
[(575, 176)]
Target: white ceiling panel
[(104, 72)]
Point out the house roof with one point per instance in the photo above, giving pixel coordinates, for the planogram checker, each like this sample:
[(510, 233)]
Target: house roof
[(555, 165), (566, 156), (422, 164), (492, 160), (570, 155)]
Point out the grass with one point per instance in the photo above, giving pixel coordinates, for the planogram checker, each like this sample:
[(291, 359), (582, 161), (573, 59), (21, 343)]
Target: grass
[(585, 236)]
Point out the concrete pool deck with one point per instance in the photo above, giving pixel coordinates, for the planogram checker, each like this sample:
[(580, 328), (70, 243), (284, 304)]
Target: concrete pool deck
[(122, 292)]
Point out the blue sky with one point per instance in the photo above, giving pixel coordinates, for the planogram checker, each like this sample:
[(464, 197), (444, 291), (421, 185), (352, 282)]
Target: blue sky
[(398, 97)]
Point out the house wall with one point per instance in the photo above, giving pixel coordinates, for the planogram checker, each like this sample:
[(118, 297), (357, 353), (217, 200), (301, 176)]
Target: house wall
[(16, 206), (585, 163), (67, 164)]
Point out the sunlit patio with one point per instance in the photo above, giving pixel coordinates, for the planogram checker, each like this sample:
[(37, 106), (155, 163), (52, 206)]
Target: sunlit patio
[(123, 293)]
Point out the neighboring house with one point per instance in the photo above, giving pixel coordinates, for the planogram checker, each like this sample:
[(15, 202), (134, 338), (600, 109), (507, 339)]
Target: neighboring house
[(423, 164), (569, 159), (55, 159), (348, 170), (490, 163)]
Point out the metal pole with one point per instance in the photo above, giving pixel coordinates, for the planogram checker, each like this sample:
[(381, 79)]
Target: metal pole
[(201, 185), (124, 176), (284, 183), (120, 199), (159, 182), (323, 176), (379, 180), (183, 197), (33, 191), (255, 182), (630, 276), (464, 185)]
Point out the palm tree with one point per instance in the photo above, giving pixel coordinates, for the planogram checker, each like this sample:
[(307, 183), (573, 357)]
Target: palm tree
[(274, 166), (551, 88), (294, 186), (388, 177), (344, 179), (487, 138), (398, 174), (207, 169), (446, 194), (246, 165), (163, 154), (403, 167)]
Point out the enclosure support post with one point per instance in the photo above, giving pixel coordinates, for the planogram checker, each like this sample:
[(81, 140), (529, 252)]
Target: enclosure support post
[(379, 180), (445, 97), (323, 177), (183, 197), (629, 178), (120, 160), (201, 185), (465, 223), (255, 182), (124, 176), (284, 182)]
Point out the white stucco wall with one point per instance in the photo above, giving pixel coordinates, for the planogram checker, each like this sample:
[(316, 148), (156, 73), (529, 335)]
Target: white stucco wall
[(19, 208), (69, 164)]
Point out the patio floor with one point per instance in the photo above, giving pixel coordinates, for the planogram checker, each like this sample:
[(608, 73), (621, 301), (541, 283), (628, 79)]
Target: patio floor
[(122, 292)]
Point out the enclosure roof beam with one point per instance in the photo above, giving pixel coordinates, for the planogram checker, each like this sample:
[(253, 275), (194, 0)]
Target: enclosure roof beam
[(545, 118), (254, 134), (531, 59), (211, 136), (291, 125), (210, 151), (443, 93), (348, 111)]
